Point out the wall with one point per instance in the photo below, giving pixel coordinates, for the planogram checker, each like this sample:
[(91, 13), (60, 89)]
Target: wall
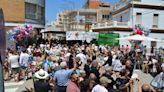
[(93, 4), (38, 2), (14, 10), (152, 2), (126, 16), (147, 17)]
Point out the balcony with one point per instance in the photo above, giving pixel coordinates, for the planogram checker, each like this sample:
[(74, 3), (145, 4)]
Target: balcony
[(112, 24)]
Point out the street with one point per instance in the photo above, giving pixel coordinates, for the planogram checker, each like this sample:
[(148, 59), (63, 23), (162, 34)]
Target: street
[(11, 86)]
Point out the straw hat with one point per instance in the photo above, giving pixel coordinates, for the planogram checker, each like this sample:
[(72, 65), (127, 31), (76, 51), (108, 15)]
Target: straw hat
[(41, 74)]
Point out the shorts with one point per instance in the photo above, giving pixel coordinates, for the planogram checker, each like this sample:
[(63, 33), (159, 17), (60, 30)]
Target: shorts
[(15, 70), (23, 67)]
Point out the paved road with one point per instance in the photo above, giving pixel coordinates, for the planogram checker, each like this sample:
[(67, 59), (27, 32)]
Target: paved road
[(145, 78), (11, 86), (18, 87)]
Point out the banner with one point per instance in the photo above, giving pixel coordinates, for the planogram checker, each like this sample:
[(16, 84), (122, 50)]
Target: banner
[(75, 35), (88, 36), (2, 36), (108, 39)]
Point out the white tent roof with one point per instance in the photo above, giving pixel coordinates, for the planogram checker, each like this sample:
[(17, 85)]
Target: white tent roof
[(44, 30), (138, 37)]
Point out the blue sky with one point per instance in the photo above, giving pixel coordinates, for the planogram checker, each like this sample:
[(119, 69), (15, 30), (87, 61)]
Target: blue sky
[(55, 6)]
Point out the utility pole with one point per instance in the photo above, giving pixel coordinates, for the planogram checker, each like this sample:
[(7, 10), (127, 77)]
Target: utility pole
[(77, 20)]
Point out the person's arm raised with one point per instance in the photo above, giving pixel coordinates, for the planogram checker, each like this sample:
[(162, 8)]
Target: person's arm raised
[(139, 86), (74, 64)]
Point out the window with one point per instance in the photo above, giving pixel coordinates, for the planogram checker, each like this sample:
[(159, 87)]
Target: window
[(105, 17), (139, 18), (121, 19), (138, 0), (30, 11), (155, 21), (40, 13)]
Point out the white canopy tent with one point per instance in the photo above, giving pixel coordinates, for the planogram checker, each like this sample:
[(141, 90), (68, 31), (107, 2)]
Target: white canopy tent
[(138, 37)]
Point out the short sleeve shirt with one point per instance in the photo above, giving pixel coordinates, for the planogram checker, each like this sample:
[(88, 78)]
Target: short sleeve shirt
[(62, 77)]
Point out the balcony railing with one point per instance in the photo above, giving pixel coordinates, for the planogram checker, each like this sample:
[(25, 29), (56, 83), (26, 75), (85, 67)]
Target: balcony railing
[(111, 24)]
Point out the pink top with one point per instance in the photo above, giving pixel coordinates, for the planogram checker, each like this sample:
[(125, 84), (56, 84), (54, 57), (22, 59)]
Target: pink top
[(72, 87)]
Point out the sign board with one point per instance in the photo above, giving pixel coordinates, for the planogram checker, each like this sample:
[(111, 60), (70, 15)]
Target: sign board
[(75, 35), (2, 36), (89, 36), (108, 39)]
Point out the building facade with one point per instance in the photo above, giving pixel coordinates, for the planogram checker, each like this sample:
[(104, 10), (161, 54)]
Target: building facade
[(51, 31), (128, 13), (82, 19), (92, 4), (21, 12)]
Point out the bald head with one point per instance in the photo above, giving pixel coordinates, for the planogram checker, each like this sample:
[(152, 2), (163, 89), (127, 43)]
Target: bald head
[(146, 88)]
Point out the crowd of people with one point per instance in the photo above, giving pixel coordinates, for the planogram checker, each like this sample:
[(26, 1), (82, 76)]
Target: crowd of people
[(84, 67)]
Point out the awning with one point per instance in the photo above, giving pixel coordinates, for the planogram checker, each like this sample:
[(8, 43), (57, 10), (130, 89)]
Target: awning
[(138, 37), (51, 31)]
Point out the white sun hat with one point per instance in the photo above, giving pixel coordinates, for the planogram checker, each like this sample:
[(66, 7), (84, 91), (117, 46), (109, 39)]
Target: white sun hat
[(105, 58), (41, 74), (134, 76)]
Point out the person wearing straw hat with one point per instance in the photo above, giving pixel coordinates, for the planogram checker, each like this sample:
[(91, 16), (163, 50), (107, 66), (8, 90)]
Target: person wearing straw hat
[(41, 85)]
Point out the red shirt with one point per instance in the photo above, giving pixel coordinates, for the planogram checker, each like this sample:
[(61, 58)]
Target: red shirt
[(72, 87)]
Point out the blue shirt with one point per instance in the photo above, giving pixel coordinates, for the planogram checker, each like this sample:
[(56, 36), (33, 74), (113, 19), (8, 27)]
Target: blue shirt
[(62, 76)]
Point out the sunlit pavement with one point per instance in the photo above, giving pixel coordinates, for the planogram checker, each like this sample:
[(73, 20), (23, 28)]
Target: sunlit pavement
[(11, 86)]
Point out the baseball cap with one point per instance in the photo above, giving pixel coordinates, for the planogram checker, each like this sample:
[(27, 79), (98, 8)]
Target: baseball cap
[(104, 80)]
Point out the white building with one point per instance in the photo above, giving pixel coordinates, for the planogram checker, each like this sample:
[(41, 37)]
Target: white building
[(51, 31), (127, 13)]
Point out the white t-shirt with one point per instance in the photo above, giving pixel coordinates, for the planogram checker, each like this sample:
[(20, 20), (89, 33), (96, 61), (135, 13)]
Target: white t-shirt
[(29, 50), (42, 46), (99, 88), (13, 59), (24, 58), (82, 57)]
